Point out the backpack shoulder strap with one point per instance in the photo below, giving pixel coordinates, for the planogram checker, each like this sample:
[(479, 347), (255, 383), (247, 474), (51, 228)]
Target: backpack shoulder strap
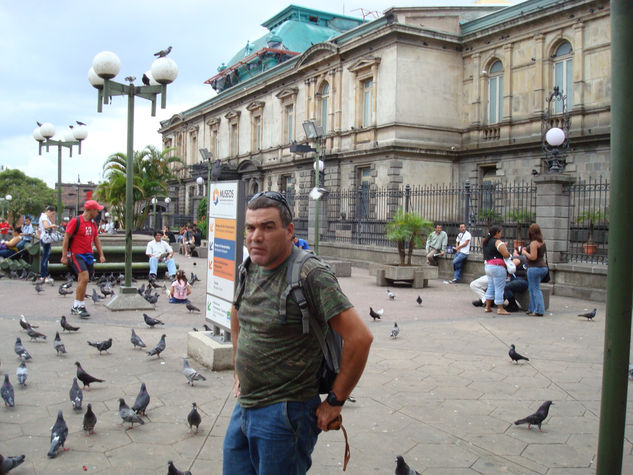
[(295, 286), (72, 236), (241, 282)]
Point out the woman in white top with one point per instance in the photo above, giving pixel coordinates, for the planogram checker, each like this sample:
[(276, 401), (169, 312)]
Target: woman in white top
[(47, 221)]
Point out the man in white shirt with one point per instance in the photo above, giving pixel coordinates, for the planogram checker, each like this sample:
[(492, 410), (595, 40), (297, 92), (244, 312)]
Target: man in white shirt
[(160, 251), (462, 249)]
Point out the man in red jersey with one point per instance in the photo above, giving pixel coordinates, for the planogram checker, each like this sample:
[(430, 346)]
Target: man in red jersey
[(77, 252)]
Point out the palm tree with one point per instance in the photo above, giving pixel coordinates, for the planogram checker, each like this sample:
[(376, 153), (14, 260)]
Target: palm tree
[(152, 170)]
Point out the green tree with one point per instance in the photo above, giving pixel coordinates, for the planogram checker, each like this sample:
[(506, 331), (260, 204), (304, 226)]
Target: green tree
[(407, 227), (29, 195), (203, 221), (152, 170)]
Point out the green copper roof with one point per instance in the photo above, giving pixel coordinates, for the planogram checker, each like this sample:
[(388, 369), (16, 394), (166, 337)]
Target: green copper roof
[(509, 13)]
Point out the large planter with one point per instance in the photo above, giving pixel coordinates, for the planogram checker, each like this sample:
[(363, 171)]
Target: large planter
[(590, 248), (416, 276)]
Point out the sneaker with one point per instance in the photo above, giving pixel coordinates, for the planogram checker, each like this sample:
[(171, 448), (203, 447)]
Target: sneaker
[(453, 281), (81, 311), (478, 303)]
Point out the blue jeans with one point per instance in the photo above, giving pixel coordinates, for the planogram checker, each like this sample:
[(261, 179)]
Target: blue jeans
[(153, 266), (535, 276), (496, 283), (271, 440), (46, 252), (458, 265)]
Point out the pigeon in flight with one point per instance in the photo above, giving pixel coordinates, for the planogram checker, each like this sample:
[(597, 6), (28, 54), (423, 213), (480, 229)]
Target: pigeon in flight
[(130, 79), (174, 471), (136, 340), (589, 315), (515, 356), (395, 331), (104, 345), (20, 350), (162, 53), (142, 400), (193, 418), (90, 420), (59, 345), (35, 334), (391, 295), (402, 468), (419, 300), (7, 392), (538, 417), (9, 463), (26, 325), (39, 124), (22, 373), (191, 374), (67, 326), (191, 307), (375, 315), (76, 395), (128, 415), (59, 432), (79, 123), (151, 321), (159, 348), (85, 378)]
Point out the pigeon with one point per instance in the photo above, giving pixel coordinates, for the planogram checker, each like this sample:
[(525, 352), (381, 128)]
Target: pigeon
[(391, 295), (26, 325), (35, 334), (79, 123), (136, 340), (102, 345), (59, 432), (67, 326), (402, 468), (152, 298), (159, 348), (21, 351), (76, 395), (106, 290), (395, 331), (588, 315), (194, 279), (85, 377), (63, 291), (515, 356), (145, 79), (162, 53), (142, 400), (130, 79), (193, 418), (90, 420), (58, 345), (141, 290), (151, 321), (9, 463), (538, 417), (419, 300), (191, 374), (128, 415), (96, 298), (67, 284), (174, 471), (39, 124), (207, 328), (191, 307), (375, 315), (38, 287), (22, 373), (7, 392)]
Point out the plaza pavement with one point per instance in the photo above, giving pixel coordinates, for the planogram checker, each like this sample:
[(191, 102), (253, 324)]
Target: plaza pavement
[(444, 394)]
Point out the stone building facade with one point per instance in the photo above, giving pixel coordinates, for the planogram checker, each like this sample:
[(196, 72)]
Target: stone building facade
[(421, 95)]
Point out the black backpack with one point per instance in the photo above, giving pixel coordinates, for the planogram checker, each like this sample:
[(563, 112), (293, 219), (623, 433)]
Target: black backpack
[(332, 344)]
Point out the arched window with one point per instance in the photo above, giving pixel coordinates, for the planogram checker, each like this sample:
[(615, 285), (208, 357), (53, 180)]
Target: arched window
[(495, 93), (563, 74), (325, 97)]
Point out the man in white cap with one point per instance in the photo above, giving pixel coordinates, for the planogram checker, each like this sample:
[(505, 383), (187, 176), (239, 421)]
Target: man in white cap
[(81, 233)]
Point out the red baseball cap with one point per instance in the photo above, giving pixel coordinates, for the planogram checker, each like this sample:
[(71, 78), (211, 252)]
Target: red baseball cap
[(92, 204)]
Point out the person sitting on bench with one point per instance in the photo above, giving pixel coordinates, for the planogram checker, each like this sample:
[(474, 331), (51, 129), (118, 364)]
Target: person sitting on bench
[(160, 251), (10, 247)]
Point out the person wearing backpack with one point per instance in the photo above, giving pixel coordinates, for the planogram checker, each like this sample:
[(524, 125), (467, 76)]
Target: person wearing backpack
[(277, 352)]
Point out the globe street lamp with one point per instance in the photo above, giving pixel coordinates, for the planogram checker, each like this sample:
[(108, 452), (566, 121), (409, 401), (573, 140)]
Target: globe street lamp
[(154, 201), (167, 201), (105, 66), (44, 133), (315, 132), (5, 204), (555, 131)]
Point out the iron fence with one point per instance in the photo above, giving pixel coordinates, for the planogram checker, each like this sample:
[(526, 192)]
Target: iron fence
[(588, 231)]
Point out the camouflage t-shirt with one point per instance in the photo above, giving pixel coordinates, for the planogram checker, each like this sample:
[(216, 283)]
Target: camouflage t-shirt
[(275, 361)]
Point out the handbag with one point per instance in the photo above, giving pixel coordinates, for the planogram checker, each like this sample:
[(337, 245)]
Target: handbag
[(546, 278), (50, 236), (510, 266)]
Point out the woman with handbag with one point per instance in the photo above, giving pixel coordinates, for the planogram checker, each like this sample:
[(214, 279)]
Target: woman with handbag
[(537, 270), (495, 251), (47, 225)]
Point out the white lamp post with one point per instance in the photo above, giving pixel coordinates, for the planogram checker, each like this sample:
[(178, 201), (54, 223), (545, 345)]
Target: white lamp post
[(5, 204), (315, 132)]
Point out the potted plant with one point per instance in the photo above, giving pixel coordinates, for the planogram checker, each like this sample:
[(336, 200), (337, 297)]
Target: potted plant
[(407, 227), (489, 216), (520, 217), (592, 216)]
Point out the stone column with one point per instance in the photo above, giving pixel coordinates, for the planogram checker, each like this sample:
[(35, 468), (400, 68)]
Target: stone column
[(552, 213)]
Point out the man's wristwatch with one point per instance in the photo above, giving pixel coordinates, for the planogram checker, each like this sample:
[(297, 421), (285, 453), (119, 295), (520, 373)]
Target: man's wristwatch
[(332, 401)]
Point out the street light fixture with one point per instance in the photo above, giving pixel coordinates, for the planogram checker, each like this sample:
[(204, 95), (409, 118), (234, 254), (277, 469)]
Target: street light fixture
[(44, 133), (555, 131), (105, 66), (315, 132), (154, 201), (5, 203)]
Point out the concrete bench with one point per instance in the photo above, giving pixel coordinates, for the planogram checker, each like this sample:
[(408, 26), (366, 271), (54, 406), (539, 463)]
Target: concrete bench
[(340, 268), (421, 276), (524, 297)]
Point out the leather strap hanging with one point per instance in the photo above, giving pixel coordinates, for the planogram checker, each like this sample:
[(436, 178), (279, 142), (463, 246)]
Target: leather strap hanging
[(337, 424)]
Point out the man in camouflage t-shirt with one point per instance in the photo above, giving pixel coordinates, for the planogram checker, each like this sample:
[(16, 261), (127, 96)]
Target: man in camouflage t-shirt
[(279, 414)]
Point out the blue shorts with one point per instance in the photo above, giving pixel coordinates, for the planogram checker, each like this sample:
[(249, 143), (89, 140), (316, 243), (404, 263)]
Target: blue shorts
[(175, 300), (82, 262)]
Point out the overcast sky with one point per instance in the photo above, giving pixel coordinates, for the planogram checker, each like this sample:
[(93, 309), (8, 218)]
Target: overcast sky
[(48, 46)]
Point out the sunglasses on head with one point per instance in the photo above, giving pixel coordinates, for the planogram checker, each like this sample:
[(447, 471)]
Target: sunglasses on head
[(273, 195)]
